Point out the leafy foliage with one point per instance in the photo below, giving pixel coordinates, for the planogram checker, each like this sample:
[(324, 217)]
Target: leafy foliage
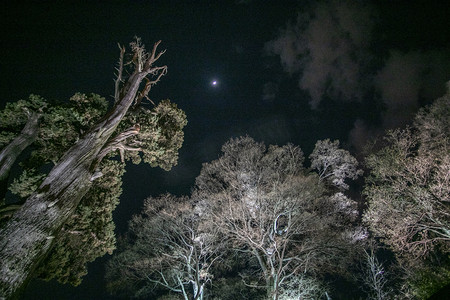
[(27, 183), (408, 192), (61, 125), (408, 188), (15, 114), (89, 233), (160, 134), (75, 139), (64, 124), (426, 281)]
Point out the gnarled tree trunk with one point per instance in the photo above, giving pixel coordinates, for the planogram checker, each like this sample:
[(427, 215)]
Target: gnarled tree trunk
[(11, 152), (27, 237)]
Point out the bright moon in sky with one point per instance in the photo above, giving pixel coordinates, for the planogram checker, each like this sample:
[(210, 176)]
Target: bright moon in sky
[(214, 82)]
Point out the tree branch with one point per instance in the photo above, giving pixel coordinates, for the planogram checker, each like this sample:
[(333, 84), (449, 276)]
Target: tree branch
[(116, 143), (119, 79)]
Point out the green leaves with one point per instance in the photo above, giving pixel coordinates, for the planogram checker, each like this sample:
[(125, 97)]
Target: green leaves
[(87, 109), (27, 183), (90, 232), (160, 135), (15, 114), (63, 124)]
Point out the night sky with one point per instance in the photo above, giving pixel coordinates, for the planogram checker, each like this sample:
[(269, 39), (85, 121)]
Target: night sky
[(286, 71)]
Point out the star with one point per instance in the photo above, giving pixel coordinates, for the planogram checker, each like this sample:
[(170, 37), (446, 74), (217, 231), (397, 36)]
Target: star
[(214, 83)]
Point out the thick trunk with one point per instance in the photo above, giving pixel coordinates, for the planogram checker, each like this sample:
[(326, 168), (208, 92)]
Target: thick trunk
[(27, 237), (11, 152)]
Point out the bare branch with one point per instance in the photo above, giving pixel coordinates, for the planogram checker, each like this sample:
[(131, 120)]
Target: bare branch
[(119, 79), (153, 57)]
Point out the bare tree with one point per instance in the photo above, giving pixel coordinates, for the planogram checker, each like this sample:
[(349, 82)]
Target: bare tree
[(374, 276), (409, 184), (27, 237), (408, 193), (172, 248), (270, 206)]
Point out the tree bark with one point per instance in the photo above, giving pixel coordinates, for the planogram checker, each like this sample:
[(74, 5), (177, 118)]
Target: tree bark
[(27, 237), (11, 152)]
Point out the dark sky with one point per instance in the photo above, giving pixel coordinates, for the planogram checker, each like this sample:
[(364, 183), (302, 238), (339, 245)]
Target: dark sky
[(287, 71)]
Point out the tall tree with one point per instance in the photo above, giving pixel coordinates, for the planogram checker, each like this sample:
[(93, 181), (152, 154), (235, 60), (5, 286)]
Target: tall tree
[(89, 232), (60, 124), (409, 184), (270, 206), (408, 190), (26, 239), (170, 247)]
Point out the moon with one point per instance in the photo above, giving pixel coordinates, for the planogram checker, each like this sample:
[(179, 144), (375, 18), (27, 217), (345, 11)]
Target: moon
[(214, 83)]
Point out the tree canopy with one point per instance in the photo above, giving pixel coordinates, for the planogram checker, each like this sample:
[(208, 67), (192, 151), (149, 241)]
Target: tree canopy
[(408, 194), (288, 231), (71, 206), (170, 247), (263, 203)]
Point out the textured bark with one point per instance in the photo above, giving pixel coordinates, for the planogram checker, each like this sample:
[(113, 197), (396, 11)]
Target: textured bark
[(11, 152), (27, 237)]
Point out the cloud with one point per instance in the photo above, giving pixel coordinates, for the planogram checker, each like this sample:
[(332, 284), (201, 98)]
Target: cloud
[(404, 81), (289, 45), (327, 48), (407, 78)]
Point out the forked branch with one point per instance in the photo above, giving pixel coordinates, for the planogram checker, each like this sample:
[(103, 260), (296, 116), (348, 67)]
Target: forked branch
[(143, 66), (117, 143)]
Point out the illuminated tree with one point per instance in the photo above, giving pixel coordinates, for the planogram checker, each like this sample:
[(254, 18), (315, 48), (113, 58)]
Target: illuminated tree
[(334, 165), (19, 124), (29, 234), (272, 208), (374, 276), (59, 125), (409, 185), (408, 192), (169, 247)]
